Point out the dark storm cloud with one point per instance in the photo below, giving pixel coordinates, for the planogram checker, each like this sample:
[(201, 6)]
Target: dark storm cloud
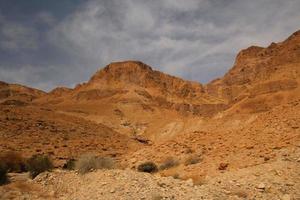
[(64, 42)]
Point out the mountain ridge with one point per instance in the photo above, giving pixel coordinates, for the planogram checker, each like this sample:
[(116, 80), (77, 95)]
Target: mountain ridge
[(223, 136), (131, 97)]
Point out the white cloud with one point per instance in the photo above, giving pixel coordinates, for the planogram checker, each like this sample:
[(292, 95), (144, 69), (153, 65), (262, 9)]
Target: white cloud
[(168, 33)]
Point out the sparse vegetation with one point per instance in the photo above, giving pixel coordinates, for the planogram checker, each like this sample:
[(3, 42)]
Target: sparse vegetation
[(38, 164), (149, 167), (89, 162), (192, 159), (3, 175), (13, 162), (70, 164), (176, 176), (169, 163)]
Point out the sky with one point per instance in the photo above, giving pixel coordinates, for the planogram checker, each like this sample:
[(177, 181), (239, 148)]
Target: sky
[(50, 43)]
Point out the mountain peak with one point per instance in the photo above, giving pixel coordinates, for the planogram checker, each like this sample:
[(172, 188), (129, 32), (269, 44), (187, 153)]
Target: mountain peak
[(128, 64), (137, 76), (294, 35), (124, 71)]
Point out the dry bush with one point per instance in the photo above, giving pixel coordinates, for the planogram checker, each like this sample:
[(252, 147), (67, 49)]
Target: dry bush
[(149, 167), (38, 164), (13, 162), (3, 175), (70, 164), (176, 176), (192, 159), (169, 163), (89, 162)]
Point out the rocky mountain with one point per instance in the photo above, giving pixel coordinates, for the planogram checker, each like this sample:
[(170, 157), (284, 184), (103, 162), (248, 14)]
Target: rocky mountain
[(261, 78), (236, 137), (136, 82), (132, 98), (256, 71), (15, 94)]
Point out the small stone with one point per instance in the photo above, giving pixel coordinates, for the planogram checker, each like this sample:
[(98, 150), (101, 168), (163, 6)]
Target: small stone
[(189, 182), (286, 197), (227, 192), (223, 166), (133, 160), (261, 186), (266, 158), (52, 193), (278, 173), (257, 174), (290, 184)]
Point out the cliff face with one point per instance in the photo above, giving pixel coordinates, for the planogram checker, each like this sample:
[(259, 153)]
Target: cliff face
[(260, 71), (256, 64), (135, 82), (138, 74)]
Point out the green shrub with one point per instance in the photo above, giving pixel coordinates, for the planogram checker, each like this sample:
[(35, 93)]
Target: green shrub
[(89, 162), (13, 162), (38, 164), (70, 164), (149, 167), (169, 163)]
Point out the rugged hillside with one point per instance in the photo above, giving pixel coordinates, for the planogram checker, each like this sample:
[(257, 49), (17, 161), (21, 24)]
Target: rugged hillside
[(136, 82), (132, 98), (240, 142), (261, 78), (34, 130), (14, 94)]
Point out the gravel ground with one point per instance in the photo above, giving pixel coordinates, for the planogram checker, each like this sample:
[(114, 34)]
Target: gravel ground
[(278, 180), (275, 180)]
